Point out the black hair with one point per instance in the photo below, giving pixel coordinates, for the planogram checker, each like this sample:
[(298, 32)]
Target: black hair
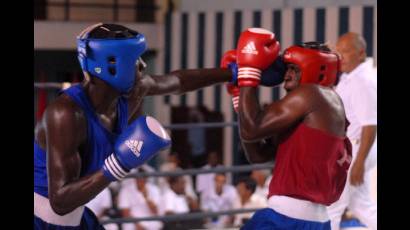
[(250, 184), (111, 31), (173, 179), (220, 174)]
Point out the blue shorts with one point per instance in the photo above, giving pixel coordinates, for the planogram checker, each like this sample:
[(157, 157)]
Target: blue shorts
[(88, 221), (267, 218)]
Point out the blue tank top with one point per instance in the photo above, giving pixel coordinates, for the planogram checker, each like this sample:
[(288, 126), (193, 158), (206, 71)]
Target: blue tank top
[(100, 141)]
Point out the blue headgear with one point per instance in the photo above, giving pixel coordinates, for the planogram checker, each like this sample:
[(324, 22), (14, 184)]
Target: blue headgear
[(112, 60)]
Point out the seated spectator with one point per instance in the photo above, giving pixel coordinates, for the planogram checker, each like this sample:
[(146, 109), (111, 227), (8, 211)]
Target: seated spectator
[(262, 183), (248, 199), (172, 164), (140, 200), (176, 201), (204, 181), (130, 182), (221, 197)]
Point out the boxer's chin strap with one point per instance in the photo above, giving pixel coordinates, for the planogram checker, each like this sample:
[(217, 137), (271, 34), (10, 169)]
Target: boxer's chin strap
[(87, 75)]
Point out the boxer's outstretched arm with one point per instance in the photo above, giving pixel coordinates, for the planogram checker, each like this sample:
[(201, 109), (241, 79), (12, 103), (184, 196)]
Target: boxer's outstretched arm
[(182, 81), (257, 123), (65, 132)]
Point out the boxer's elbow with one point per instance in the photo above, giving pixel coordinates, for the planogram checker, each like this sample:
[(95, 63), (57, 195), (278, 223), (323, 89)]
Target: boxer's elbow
[(254, 160), (249, 128), (248, 135), (176, 82), (254, 157), (59, 206)]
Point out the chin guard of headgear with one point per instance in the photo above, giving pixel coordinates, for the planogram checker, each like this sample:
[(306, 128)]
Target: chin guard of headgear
[(111, 59), (317, 63)]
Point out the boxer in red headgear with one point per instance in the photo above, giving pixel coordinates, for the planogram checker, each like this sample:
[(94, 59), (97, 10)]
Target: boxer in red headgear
[(304, 132)]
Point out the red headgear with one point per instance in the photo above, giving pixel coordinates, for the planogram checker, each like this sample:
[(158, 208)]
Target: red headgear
[(317, 66)]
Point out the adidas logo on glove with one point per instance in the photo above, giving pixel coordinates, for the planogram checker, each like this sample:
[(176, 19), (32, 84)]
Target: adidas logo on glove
[(135, 146), (249, 49)]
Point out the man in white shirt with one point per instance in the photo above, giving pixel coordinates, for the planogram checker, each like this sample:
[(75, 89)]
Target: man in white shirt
[(176, 201), (220, 198), (204, 181), (358, 89), (248, 199), (142, 199), (172, 164)]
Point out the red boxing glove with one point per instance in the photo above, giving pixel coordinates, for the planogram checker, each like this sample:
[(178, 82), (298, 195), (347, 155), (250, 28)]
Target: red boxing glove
[(228, 57), (257, 48), (234, 91)]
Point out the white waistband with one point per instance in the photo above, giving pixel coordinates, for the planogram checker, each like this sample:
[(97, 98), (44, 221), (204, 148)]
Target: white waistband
[(298, 209), (43, 210)]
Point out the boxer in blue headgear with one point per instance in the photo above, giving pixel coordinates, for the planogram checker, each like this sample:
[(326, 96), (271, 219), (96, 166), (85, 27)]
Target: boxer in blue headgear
[(93, 133), (112, 60)]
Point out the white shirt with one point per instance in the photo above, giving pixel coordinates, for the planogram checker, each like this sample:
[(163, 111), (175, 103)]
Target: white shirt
[(164, 185), (204, 181), (174, 202), (358, 91), (212, 202), (131, 198), (131, 181), (264, 190), (255, 201), (100, 202)]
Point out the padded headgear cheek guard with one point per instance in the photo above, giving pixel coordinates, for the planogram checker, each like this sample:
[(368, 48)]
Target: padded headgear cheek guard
[(316, 66), (112, 60)]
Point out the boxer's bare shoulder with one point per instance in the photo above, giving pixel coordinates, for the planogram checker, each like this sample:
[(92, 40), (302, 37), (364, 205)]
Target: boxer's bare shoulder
[(62, 111)]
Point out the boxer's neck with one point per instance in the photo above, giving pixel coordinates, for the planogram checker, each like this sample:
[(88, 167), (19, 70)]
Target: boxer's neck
[(102, 97)]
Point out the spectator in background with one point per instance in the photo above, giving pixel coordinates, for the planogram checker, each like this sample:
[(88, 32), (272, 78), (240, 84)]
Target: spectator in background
[(144, 168), (173, 164), (262, 178), (248, 199), (176, 201), (357, 88), (101, 206), (219, 198), (204, 181), (140, 200)]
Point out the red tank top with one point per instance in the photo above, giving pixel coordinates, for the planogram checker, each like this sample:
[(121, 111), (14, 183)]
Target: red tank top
[(311, 165)]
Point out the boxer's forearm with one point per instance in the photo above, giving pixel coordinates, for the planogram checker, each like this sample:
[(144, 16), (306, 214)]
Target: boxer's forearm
[(74, 194), (199, 78), (366, 141), (182, 81), (248, 112)]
